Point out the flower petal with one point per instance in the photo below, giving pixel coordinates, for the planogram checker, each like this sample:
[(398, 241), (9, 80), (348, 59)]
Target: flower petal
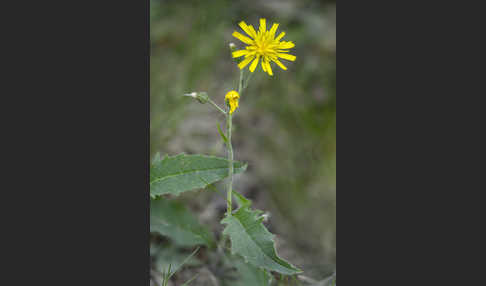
[(286, 45), (242, 38), (253, 31), (279, 63), (250, 32), (269, 68), (280, 36), (273, 30), (240, 53), (263, 25), (287, 57), (246, 61), (254, 63)]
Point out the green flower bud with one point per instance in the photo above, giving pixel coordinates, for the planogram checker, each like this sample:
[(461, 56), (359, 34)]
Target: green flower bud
[(202, 97)]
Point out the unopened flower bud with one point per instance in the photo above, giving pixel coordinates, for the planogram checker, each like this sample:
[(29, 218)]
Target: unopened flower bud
[(202, 97)]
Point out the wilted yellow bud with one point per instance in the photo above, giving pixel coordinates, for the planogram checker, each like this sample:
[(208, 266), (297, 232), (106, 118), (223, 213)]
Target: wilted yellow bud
[(232, 99)]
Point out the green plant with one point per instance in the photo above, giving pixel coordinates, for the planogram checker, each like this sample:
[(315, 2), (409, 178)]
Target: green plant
[(166, 275), (253, 251)]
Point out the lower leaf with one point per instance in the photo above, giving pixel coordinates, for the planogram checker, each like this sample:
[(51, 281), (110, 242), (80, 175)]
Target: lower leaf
[(250, 239)]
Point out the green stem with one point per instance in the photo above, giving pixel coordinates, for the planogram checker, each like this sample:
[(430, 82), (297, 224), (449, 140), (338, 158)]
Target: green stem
[(240, 83), (247, 81), (229, 125), (230, 159), (217, 107)]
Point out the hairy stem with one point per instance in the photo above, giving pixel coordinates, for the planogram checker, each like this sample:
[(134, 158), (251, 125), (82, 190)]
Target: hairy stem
[(230, 159), (229, 125), (240, 83)]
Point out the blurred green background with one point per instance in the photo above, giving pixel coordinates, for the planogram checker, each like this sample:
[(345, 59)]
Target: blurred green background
[(285, 127)]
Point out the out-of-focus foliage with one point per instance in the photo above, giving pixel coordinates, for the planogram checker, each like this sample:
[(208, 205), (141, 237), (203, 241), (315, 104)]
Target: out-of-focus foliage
[(285, 127), (172, 219)]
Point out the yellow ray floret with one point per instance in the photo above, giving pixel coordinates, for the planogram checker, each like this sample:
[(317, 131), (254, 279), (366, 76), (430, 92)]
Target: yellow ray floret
[(232, 99), (262, 45)]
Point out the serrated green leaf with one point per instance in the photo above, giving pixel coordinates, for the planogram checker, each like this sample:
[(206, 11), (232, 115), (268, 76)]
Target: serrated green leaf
[(249, 274), (180, 173), (172, 219), (241, 200), (251, 240)]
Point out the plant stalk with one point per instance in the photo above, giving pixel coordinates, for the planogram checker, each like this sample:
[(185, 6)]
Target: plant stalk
[(230, 159), (229, 125), (217, 107)]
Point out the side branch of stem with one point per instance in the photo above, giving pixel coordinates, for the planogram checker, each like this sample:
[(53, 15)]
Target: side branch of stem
[(217, 107)]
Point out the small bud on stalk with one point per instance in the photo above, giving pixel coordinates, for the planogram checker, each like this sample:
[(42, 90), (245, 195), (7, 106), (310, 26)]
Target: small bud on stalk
[(202, 97)]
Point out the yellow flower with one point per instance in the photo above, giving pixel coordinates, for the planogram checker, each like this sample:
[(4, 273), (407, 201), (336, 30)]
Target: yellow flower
[(262, 45), (232, 98)]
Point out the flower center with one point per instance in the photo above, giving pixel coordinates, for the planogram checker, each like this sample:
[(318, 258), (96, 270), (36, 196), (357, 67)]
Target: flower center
[(261, 49)]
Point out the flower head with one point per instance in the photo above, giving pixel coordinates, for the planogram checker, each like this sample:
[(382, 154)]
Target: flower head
[(232, 99), (262, 45)]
